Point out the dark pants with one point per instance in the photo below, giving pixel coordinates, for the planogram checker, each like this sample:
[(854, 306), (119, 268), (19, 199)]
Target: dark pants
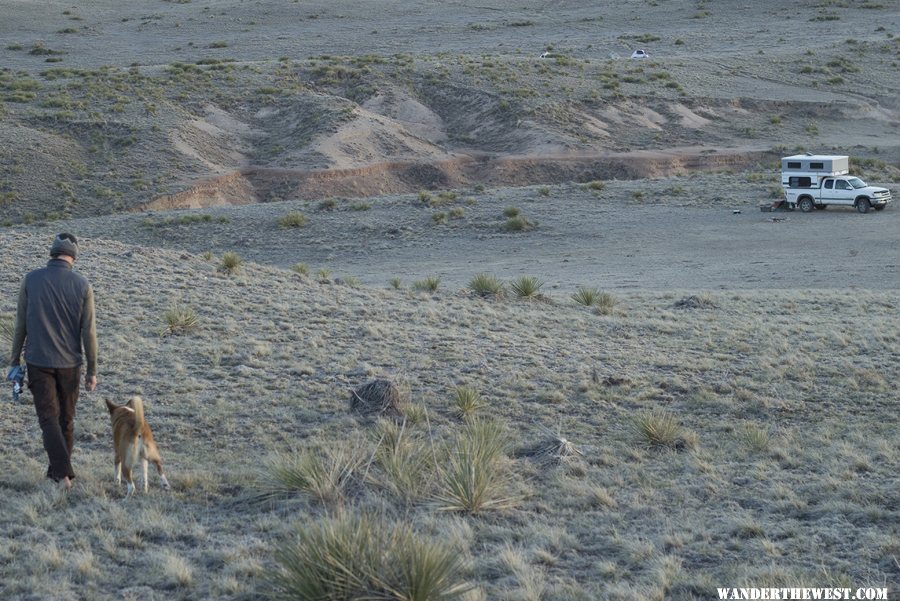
[(55, 392)]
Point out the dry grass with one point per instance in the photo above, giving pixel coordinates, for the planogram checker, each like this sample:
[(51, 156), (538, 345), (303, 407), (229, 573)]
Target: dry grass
[(323, 476), (7, 331), (270, 369)]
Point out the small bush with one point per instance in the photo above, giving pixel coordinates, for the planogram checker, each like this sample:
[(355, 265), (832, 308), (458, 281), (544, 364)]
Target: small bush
[(429, 284), (439, 218), (526, 286), (180, 320), (396, 283), (518, 224), (511, 212), (424, 196), (293, 219), (485, 284), (457, 213), (596, 185), (323, 276), (231, 263), (358, 557), (360, 206), (329, 204), (300, 268), (544, 191)]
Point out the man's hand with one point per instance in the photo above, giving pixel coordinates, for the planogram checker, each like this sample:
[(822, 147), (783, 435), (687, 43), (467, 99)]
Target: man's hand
[(90, 383)]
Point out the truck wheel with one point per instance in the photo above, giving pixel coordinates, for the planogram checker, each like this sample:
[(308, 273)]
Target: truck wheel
[(806, 204), (821, 207), (863, 205)]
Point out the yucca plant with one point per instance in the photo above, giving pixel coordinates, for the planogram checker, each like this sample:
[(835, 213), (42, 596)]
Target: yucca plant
[(293, 219), (429, 284), (395, 283), (300, 268), (468, 400), (473, 480), (354, 557), (231, 263), (586, 296), (180, 320), (526, 286), (485, 284)]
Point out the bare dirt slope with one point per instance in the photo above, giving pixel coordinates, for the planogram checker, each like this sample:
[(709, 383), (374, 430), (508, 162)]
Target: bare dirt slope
[(168, 105)]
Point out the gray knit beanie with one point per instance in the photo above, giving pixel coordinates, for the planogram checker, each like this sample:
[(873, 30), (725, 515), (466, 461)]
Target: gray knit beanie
[(64, 244)]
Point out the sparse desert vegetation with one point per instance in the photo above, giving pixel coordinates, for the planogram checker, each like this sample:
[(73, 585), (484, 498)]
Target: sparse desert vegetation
[(489, 314), (658, 410)]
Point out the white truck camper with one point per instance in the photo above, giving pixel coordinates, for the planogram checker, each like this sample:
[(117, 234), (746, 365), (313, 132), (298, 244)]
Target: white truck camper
[(816, 181)]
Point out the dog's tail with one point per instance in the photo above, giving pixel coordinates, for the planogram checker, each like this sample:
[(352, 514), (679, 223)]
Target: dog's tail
[(137, 403)]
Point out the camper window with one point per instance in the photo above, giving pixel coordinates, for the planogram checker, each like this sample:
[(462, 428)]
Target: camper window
[(800, 182), (793, 165), (818, 166)]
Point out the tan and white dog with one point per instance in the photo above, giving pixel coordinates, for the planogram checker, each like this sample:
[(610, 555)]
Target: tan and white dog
[(133, 441)]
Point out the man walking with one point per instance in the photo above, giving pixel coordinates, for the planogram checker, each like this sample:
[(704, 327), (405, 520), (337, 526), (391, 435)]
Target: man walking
[(56, 315)]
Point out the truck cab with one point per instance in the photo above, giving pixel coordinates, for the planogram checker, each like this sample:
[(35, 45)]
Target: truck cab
[(817, 181)]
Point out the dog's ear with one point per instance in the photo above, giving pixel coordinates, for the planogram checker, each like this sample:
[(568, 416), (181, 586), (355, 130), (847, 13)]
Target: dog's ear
[(110, 405)]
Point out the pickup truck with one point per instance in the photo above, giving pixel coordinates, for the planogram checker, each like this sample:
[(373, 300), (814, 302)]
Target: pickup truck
[(816, 181), (843, 190)]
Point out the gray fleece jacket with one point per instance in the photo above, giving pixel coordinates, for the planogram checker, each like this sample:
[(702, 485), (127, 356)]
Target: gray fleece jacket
[(56, 315)]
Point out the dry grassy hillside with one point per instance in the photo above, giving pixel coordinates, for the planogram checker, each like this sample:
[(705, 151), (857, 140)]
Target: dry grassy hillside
[(724, 439)]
